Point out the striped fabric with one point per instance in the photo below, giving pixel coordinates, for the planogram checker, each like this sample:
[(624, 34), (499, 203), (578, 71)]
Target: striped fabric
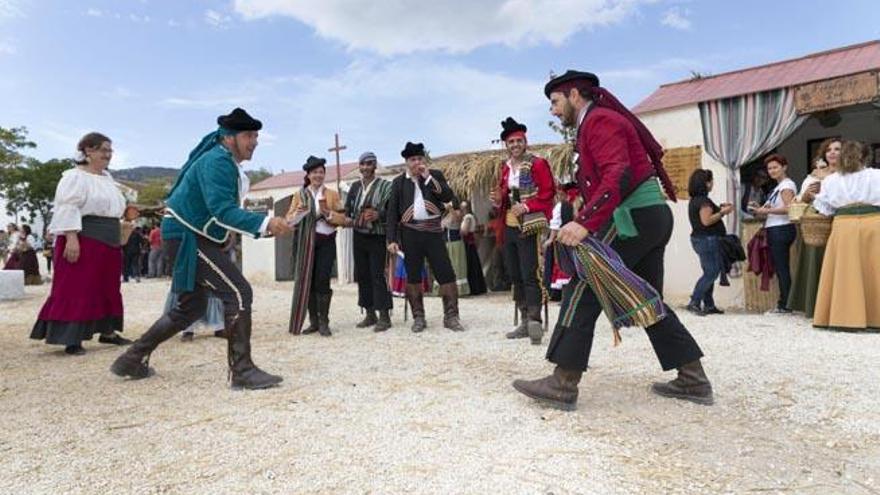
[(741, 129)]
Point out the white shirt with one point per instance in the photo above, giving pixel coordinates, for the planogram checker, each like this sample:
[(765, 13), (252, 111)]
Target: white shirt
[(321, 227), (419, 210), (556, 219), (775, 201), (80, 193), (512, 176), (839, 190)]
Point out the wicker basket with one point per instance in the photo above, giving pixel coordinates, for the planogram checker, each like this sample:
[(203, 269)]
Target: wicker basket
[(815, 228), (796, 211)]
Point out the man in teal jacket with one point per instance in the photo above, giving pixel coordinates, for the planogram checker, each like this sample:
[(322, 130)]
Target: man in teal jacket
[(203, 210)]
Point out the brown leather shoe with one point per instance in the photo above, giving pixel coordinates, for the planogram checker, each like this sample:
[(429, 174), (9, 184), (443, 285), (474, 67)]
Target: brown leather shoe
[(384, 322), (559, 390), (369, 320), (417, 304), (690, 384), (522, 330), (449, 294)]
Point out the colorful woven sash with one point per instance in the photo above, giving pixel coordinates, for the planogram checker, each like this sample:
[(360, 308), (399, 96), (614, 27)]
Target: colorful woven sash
[(627, 299)]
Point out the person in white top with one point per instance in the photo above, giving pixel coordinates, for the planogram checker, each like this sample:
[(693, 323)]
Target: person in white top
[(85, 297), (849, 287), (781, 233), (805, 280)]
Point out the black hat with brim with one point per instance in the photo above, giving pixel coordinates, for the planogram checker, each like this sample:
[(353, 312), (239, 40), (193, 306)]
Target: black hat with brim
[(239, 120), (510, 126), (570, 76), (412, 149), (313, 162)]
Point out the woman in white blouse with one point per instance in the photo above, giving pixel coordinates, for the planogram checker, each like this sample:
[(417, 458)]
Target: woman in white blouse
[(849, 288), (781, 233), (805, 284), (85, 297)]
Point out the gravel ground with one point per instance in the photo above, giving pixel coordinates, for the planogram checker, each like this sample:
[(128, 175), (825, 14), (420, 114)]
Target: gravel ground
[(796, 410)]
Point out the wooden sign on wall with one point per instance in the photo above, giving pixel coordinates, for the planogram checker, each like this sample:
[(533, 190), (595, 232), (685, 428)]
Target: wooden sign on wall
[(836, 93), (680, 163)]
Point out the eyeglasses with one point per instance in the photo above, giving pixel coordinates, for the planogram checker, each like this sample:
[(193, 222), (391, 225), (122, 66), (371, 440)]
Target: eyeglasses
[(368, 162)]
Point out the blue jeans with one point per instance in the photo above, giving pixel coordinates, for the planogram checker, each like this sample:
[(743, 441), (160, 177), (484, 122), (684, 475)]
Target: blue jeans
[(780, 239), (708, 248)]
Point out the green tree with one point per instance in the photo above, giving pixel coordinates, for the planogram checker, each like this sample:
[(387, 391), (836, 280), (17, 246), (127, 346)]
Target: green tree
[(12, 142), (258, 175), (153, 193), (29, 188), (41, 180)]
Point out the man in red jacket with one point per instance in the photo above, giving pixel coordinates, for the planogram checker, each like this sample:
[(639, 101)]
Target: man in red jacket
[(619, 176), (523, 201)]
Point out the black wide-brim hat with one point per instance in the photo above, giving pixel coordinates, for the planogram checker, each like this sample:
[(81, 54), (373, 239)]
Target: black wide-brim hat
[(570, 76), (510, 126), (239, 120), (313, 162), (412, 149)]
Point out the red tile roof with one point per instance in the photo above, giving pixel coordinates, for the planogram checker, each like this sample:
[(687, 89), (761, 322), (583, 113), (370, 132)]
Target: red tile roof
[(815, 67), (295, 179)]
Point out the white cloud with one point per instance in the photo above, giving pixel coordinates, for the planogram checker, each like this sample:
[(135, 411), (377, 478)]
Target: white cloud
[(7, 48), (380, 106), (210, 102), (217, 19), (677, 19), (407, 26), (120, 93), (94, 12), (10, 9)]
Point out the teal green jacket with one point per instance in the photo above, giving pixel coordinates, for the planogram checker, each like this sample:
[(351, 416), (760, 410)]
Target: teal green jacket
[(206, 201)]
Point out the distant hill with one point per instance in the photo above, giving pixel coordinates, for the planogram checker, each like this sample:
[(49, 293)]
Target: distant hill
[(145, 174)]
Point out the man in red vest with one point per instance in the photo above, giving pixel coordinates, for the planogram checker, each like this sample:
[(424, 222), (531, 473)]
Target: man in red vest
[(619, 177)]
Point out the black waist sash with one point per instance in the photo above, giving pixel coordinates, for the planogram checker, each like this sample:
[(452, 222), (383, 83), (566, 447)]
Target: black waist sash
[(102, 229)]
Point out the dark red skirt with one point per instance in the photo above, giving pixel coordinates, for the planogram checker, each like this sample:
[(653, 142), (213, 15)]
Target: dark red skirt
[(85, 297)]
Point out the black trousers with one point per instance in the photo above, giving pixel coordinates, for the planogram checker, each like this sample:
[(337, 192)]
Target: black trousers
[(369, 268), (570, 346), (325, 256), (521, 262), (780, 239), (217, 274), (131, 265), (417, 246)]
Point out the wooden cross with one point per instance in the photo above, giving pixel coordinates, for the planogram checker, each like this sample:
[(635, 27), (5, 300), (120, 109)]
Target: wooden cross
[(337, 149)]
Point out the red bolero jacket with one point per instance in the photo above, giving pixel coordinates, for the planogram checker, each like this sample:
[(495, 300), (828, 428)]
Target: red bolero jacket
[(611, 163), (543, 178)]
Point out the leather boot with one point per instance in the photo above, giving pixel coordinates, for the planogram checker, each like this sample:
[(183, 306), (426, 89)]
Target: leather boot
[(690, 384), (245, 374), (535, 328), (369, 320), (417, 304), (559, 390), (135, 362), (313, 315), (522, 330), (384, 322), (449, 294), (324, 314)]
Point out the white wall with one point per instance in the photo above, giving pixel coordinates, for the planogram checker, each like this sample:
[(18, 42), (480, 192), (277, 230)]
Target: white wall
[(673, 128)]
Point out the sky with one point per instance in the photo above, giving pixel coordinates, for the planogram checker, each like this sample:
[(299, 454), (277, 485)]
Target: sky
[(154, 74)]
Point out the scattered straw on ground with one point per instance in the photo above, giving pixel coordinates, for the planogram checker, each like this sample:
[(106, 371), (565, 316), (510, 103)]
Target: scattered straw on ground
[(798, 411)]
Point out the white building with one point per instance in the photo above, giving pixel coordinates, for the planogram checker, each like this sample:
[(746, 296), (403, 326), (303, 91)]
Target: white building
[(737, 118)]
